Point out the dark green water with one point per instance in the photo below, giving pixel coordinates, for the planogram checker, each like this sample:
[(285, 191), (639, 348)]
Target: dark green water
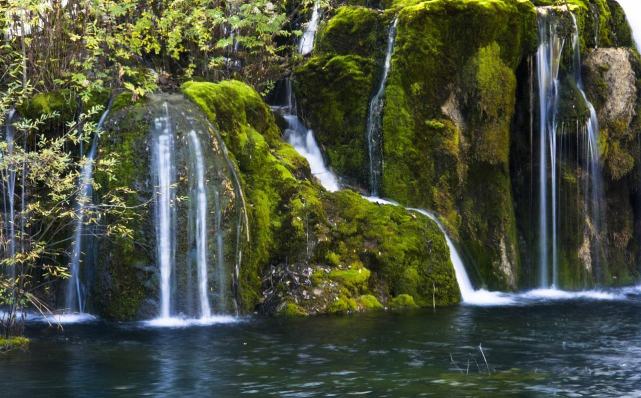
[(580, 348)]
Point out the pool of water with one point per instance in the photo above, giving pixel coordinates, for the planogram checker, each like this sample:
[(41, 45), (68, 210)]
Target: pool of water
[(568, 348)]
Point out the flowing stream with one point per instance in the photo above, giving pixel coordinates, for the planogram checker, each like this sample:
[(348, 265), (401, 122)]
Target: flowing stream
[(303, 140), (374, 118), (296, 133), (306, 44), (76, 292)]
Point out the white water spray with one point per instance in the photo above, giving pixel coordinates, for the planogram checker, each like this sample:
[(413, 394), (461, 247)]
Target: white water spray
[(296, 134), (306, 44), (303, 140)]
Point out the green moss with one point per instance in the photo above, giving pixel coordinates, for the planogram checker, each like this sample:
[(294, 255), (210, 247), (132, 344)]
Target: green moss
[(13, 343), (355, 277), (403, 252), (402, 301), (63, 102), (120, 289), (369, 302), (342, 305), (292, 310), (353, 31), (281, 199)]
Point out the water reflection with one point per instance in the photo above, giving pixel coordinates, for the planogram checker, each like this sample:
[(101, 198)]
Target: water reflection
[(570, 349)]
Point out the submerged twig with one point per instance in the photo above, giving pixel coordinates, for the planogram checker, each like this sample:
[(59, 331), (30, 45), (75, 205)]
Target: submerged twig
[(484, 359)]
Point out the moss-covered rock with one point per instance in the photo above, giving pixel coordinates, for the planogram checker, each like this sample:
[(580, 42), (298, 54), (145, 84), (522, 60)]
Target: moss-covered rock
[(402, 301), (13, 343), (322, 252)]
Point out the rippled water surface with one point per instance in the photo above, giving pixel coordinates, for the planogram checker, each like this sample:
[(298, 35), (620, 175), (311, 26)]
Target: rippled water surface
[(563, 348)]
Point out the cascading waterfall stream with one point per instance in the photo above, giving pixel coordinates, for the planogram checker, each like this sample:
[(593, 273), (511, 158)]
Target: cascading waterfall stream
[(594, 190), (75, 293), (303, 140), (200, 194), (296, 134), (164, 176), (632, 10), (548, 63), (306, 44), (468, 294), (374, 120)]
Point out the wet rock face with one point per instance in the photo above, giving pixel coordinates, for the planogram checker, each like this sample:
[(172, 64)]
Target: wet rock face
[(612, 76)]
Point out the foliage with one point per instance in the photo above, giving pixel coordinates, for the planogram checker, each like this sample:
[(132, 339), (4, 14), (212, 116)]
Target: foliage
[(39, 175), (86, 45)]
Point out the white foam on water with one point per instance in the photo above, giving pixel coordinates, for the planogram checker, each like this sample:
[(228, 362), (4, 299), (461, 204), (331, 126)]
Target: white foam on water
[(487, 298), (177, 322), (66, 319), (63, 319), (557, 294)]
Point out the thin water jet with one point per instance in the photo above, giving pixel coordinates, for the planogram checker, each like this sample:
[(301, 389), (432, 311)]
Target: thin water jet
[(374, 118), (75, 292)]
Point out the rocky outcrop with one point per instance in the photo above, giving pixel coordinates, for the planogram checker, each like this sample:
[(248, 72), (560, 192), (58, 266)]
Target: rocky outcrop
[(613, 82)]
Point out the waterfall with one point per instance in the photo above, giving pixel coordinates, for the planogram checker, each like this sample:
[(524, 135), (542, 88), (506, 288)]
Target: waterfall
[(548, 61), (9, 191), (306, 44), (594, 191), (374, 117), (632, 10), (200, 195), (75, 292), (464, 283), (302, 139), (192, 175), (164, 177), (469, 295), (296, 134)]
